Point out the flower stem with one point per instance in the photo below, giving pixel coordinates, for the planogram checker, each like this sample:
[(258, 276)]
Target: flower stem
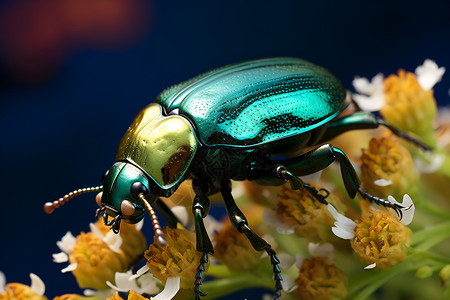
[(425, 239), (225, 286)]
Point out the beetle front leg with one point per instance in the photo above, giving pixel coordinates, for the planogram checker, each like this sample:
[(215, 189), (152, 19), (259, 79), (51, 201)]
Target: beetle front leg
[(200, 209), (239, 222)]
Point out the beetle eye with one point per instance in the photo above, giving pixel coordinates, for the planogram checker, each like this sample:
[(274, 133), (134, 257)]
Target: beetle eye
[(138, 188), (98, 199), (104, 175), (127, 208)]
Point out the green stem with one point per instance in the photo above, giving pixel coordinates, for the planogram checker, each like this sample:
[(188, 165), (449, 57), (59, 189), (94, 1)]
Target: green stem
[(363, 287), (225, 286), (425, 239)]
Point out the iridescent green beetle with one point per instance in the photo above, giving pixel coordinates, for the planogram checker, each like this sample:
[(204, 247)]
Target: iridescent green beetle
[(228, 124)]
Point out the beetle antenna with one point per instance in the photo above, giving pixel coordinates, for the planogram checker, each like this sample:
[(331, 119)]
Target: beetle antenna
[(159, 233), (49, 207)]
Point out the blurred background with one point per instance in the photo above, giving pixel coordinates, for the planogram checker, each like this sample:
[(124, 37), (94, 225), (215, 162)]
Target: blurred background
[(74, 73)]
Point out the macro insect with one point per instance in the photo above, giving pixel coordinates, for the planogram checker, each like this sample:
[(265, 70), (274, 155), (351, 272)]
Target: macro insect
[(246, 121)]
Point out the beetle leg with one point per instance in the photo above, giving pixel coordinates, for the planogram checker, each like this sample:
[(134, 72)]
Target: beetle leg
[(297, 183), (365, 120), (311, 162), (200, 209), (239, 222)]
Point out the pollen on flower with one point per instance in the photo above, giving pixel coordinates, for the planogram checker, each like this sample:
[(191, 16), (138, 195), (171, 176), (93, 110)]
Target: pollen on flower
[(409, 107), (132, 295), (96, 256), (234, 250), (19, 291), (178, 258), (321, 279), (387, 159), (96, 262), (70, 297), (381, 238), (302, 212)]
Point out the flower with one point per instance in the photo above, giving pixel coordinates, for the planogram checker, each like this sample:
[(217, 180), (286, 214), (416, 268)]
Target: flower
[(298, 211), (19, 291), (179, 258), (387, 161), (96, 256), (409, 107), (381, 238), (234, 250), (320, 279)]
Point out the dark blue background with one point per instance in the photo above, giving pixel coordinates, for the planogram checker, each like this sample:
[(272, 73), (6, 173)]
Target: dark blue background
[(62, 134)]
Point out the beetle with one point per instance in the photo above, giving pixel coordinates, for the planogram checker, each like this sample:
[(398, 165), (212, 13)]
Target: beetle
[(230, 124)]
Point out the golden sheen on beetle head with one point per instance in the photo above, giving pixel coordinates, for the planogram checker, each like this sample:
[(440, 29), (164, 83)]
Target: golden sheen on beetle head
[(163, 146)]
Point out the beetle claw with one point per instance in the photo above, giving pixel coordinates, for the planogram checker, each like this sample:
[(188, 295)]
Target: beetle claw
[(99, 212)]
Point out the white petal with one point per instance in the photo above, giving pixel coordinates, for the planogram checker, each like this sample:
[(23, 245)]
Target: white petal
[(299, 260), (371, 266), (89, 292), (148, 284), (96, 231), (271, 218), (286, 261), (170, 290), (383, 182), (67, 242), (429, 74), (113, 240), (371, 96), (69, 268), (339, 232), (322, 250), (37, 285), (343, 224), (139, 225), (60, 257), (434, 163), (363, 86), (140, 272), (374, 102), (181, 213), (122, 282), (288, 283), (102, 294), (2, 283)]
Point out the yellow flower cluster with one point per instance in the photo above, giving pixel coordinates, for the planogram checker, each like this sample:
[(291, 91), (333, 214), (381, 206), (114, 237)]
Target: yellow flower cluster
[(178, 258), (381, 238)]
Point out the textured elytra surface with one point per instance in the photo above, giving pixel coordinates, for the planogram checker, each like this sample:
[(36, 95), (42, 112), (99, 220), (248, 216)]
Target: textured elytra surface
[(257, 102)]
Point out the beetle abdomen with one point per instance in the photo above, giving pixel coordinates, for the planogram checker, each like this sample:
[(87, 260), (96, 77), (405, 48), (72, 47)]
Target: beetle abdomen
[(257, 102)]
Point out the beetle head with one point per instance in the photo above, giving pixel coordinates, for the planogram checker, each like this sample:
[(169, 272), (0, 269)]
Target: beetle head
[(124, 185)]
